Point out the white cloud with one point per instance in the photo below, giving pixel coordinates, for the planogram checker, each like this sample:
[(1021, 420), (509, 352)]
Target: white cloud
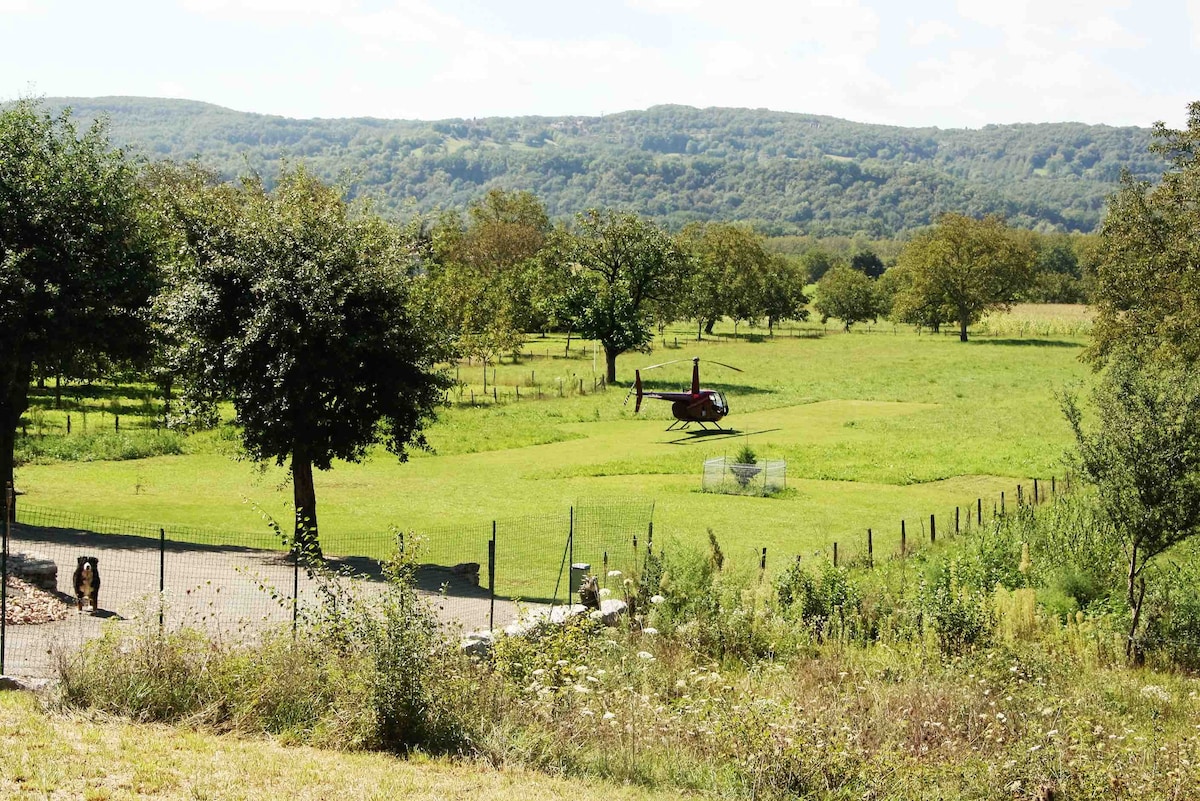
[(928, 32), (1193, 12), (17, 7), (272, 12)]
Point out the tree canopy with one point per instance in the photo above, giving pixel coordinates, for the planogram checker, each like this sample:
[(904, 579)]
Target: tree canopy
[(301, 310), (77, 258), (785, 173), (969, 265), (848, 295), (1147, 290), (625, 264)]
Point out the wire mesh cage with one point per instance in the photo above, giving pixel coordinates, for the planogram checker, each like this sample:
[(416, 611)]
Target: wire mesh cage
[(729, 476)]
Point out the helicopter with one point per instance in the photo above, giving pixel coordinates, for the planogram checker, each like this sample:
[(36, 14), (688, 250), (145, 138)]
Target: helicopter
[(704, 407)]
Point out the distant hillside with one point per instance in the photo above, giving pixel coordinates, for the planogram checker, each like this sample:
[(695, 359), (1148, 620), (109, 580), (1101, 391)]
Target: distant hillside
[(787, 173)]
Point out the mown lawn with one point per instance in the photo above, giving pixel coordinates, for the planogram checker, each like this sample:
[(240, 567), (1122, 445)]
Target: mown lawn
[(875, 426)]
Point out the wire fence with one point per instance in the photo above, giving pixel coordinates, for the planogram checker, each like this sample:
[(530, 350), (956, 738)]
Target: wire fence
[(478, 576), (238, 584)]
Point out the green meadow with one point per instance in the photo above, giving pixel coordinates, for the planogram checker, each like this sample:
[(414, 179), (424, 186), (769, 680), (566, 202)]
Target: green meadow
[(876, 426)]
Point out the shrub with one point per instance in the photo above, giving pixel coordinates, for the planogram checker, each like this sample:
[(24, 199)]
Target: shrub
[(369, 668)]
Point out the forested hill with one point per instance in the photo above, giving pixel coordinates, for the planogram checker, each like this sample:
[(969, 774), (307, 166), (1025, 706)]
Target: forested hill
[(787, 173)]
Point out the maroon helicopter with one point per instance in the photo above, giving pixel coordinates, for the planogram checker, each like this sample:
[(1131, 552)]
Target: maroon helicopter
[(704, 407)]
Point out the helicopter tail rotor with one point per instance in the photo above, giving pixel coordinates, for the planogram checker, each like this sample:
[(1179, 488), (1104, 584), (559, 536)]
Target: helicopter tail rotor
[(637, 387)]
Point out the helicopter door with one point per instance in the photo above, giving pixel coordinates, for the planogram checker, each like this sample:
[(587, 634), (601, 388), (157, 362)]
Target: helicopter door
[(719, 404)]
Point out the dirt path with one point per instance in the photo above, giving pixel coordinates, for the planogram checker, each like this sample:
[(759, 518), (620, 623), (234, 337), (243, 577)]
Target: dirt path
[(232, 592)]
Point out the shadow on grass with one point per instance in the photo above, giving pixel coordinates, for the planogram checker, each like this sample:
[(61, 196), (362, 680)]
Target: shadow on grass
[(1035, 343), (136, 557)]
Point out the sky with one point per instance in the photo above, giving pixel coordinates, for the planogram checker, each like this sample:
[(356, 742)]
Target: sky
[(949, 63)]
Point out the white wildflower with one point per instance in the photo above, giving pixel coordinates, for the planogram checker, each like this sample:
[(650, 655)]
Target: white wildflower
[(605, 592), (609, 716), (645, 655), (656, 599), (615, 574), (539, 672), (1156, 692), (649, 630)]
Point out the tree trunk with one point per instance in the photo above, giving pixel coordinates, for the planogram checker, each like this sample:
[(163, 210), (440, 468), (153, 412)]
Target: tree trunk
[(699, 330), (57, 391), (610, 364), (8, 436), (708, 326), (305, 496), (14, 400), (962, 328)]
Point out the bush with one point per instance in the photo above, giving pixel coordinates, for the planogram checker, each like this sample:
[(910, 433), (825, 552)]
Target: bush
[(369, 668), (105, 446)]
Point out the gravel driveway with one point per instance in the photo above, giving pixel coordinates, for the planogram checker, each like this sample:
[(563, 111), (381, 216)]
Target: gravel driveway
[(231, 591)]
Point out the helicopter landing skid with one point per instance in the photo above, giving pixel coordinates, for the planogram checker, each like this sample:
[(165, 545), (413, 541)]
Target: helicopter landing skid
[(681, 425)]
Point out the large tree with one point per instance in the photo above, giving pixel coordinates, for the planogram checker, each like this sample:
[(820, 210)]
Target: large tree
[(1147, 288), (1143, 456), (77, 266), (971, 265), (300, 308), (848, 295), (625, 265)]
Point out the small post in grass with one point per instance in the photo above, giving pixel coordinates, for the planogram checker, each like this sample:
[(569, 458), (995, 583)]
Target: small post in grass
[(162, 573), (492, 579), (932, 529), (956, 529), (835, 554), (1002, 512), (296, 590), (870, 549), (762, 566), (979, 511), (903, 540), (1035, 492), (8, 521)]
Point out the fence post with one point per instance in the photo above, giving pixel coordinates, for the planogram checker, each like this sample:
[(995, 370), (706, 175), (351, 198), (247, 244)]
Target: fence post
[(956, 529), (650, 538), (571, 554), (162, 573), (295, 591), (492, 579), (1035, 492), (835, 554), (8, 521), (1020, 496), (1002, 503), (762, 566), (932, 529), (870, 549), (903, 540), (979, 511), (1052, 487)]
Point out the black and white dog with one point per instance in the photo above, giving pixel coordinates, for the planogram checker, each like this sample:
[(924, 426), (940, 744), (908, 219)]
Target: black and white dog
[(87, 581)]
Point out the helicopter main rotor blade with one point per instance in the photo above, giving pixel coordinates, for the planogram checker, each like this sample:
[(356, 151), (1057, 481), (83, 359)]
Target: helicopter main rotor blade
[(663, 364), (722, 364)]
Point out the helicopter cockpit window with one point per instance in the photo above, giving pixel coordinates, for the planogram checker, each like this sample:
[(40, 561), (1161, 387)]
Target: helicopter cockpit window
[(719, 403)]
